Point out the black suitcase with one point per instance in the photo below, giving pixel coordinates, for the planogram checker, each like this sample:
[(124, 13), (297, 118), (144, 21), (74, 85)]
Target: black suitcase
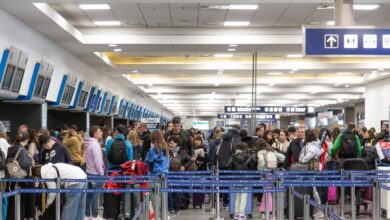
[(298, 203)]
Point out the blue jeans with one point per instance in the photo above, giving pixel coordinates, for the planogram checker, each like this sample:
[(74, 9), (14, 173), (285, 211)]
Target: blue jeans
[(74, 207), (174, 201), (92, 201)]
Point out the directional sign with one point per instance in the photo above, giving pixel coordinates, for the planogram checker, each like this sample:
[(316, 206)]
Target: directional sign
[(339, 41), (268, 109)]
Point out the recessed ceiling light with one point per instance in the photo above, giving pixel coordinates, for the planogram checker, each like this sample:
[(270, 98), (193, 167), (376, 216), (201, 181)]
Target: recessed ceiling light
[(236, 23), (221, 70), (275, 73), (294, 56), (312, 93), (365, 7), (271, 84), (213, 93), (112, 45), (381, 69), (117, 49), (107, 23), (344, 73), (232, 45), (159, 93), (330, 23), (231, 49), (94, 6), (243, 7), (216, 84), (150, 85), (259, 92), (223, 55), (346, 86), (292, 71), (219, 73), (134, 71), (337, 84)]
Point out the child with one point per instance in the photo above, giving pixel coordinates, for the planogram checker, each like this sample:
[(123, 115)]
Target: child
[(268, 159), (241, 161)]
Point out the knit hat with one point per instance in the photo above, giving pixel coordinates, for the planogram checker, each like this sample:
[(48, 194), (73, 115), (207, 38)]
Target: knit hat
[(2, 128)]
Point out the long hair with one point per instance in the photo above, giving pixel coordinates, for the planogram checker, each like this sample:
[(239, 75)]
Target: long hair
[(262, 145), (310, 136), (158, 141), (134, 138), (20, 137)]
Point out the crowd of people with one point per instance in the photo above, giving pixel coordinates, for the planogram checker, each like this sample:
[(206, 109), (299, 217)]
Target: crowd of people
[(73, 154)]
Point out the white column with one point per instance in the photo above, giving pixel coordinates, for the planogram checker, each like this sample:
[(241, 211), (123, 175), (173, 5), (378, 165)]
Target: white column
[(343, 12), (377, 102), (87, 121), (44, 115), (112, 121)]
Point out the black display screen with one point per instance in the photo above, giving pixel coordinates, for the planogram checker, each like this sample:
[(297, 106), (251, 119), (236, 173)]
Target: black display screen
[(18, 80), (38, 86), (8, 77), (114, 108), (84, 99), (106, 105), (70, 95), (45, 87), (98, 104), (65, 94), (93, 101), (80, 102)]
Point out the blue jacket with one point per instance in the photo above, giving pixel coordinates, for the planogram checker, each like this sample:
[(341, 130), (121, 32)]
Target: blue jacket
[(129, 148), (157, 163)]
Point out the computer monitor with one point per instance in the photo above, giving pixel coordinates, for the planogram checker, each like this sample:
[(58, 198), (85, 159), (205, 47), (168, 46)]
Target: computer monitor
[(70, 95), (8, 77), (114, 107), (65, 94), (93, 101), (45, 87), (38, 86), (99, 102), (18, 79), (106, 105), (84, 99)]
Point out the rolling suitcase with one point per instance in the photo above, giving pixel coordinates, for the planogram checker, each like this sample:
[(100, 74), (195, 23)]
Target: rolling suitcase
[(332, 195), (248, 207), (198, 200), (298, 203)]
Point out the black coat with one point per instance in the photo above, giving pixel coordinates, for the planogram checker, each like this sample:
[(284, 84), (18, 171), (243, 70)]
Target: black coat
[(226, 149), (293, 151), (185, 141), (146, 144)]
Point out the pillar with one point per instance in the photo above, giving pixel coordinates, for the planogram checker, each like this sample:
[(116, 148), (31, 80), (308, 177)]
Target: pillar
[(343, 12), (44, 115)]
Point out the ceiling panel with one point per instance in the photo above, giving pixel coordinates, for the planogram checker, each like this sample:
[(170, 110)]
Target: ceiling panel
[(320, 16), (268, 14), (240, 15), (211, 17), (296, 14), (74, 14), (156, 14), (128, 14), (184, 15), (375, 17), (101, 15)]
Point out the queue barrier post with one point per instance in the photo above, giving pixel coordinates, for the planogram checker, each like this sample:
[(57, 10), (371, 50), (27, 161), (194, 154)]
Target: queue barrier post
[(376, 199), (164, 200), (326, 211), (291, 203), (306, 207), (146, 206), (1, 204), (280, 200), (353, 199), (58, 200), (265, 194), (274, 202), (342, 198), (17, 204)]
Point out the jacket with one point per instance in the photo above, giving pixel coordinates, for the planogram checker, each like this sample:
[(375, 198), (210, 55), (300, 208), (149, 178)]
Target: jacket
[(24, 160), (261, 155), (185, 141), (293, 152), (157, 162), (129, 149), (212, 152), (241, 160), (73, 143), (184, 158), (226, 149), (135, 168), (310, 151), (281, 147), (146, 144), (58, 154), (94, 157), (337, 144), (4, 148)]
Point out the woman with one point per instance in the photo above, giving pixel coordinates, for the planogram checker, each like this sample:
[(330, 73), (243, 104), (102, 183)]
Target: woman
[(4, 149), (281, 145), (268, 137), (213, 150), (18, 152), (136, 141), (33, 146), (335, 134), (200, 153)]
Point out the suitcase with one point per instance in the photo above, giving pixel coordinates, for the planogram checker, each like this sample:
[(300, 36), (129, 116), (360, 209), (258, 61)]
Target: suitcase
[(298, 203), (198, 200), (332, 194), (248, 208)]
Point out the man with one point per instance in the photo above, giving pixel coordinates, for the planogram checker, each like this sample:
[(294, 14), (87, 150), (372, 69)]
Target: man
[(259, 132), (292, 133), (385, 130), (122, 149), (347, 144), (295, 148), (184, 137), (74, 207), (145, 137), (54, 151), (64, 132), (22, 128), (95, 167), (73, 142)]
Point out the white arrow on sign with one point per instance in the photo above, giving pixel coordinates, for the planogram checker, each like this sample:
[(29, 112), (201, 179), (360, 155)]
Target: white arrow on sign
[(331, 40)]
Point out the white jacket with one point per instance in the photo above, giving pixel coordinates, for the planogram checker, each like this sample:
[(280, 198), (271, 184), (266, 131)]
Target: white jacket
[(3, 147), (309, 151)]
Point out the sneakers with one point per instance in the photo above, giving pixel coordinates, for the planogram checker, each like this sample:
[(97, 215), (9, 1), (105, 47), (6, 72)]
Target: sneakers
[(239, 216), (262, 216), (319, 215)]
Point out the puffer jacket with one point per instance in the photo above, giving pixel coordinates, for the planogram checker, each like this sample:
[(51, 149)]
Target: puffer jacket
[(226, 148), (158, 162), (262, 155), (310, 151), (241, 160)]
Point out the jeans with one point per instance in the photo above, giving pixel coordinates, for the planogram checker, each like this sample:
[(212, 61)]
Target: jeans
[(174, 201), (92, 201), (74, 207)]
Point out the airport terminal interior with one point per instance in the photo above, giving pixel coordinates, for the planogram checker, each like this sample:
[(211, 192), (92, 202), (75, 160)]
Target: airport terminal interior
[(194, 109)]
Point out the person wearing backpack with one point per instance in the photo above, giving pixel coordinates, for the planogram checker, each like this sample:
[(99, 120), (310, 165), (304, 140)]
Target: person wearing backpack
[(119, 150), (347, 145), (18, 164), (4, 145), (268, 159)]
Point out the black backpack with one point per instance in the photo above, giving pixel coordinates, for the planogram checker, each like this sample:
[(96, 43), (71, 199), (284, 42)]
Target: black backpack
[(348, 146), (118, 152)]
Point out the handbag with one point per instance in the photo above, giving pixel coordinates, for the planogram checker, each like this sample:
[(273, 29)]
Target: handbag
[(14, 169)]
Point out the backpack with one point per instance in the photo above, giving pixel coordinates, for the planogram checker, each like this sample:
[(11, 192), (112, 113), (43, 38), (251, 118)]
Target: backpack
[(2, 160), (118, 152), (175, 163), (348, 146), (271, 161), (14, 169)]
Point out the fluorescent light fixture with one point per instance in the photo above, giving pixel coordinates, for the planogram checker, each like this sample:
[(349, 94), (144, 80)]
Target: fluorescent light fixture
[(243, 7), (346, 86), (150, 85), (312, 93), (271, 84), (117, 49), (107, 23), (134, 71), (365, 7), (330, 23), (95, 6), (223, 55), (259, 92), (159, 93), (216, 84), (292, 71), (337, 84), (231, 49), (344, 73), (112, 45), (236, 23), (232, 45), (219, 73), (221, 70), (213, 93), (381, 69), (275, 73), (294, 56)]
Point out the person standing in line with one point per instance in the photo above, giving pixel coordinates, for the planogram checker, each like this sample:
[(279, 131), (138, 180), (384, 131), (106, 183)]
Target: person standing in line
[(4, 145), (73, 142), (122, 151), (145, 137), (135, 140), (95, 167), (53, 151)]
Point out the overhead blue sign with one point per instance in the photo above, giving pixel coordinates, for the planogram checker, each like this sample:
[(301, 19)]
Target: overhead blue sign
[(268, 109), (346, 41)]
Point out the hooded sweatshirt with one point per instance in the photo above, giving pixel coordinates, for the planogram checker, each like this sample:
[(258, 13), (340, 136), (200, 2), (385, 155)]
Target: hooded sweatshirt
[(94, 157), (310, 150), (4, 148)]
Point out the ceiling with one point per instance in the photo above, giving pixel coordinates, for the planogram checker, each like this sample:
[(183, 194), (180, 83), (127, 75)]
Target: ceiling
[(168, 50)]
